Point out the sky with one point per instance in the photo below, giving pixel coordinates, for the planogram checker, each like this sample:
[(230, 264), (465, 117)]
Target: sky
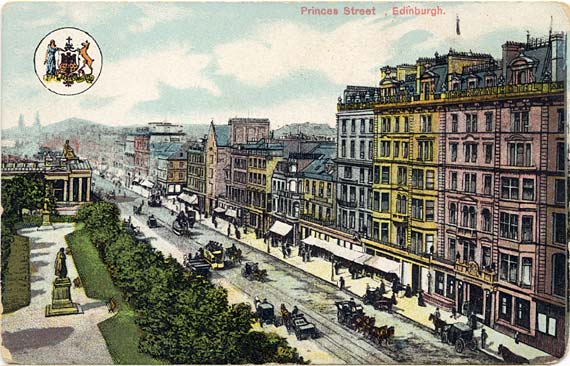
[(189, 63)]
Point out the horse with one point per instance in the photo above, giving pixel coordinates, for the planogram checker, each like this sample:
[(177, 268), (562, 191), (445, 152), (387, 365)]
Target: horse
[(437, 323), (510, 357), (286, 316)]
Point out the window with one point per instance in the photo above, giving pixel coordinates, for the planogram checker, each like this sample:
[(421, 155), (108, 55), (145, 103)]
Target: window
[(470, 152), (526, 271), (454, 119), (371, 125), (528, 190), (560, 190), (430, 179), (452, 213), (362, 150), (425, 123), (560, 158), (505, 306), (401, 204), (520, 154), (353, 126), (385, 175), (488, 121), (385, 125), (396, 149), (468, 250), (487, 182), (376, 174), (406, 124), (417, 242), (352, 148), (362, 126), (453, 148), (450, 287), (396, 124), (370, 150), (343, 148), (347, 172), (470, 182), (509, 267), (522, 314), (430, 211), (385, 148), (405, 150), (384, 202), (451, 249), (509, 226), (454, 181), (559, 274), (527, 228), (361, 180), (470, 122), (370, 175), (402, 175), (417, 209), (486, 214), (425, 150), (362, 198), (519, 122), (561, 120), (510, 188), (486, 257), (546, 324), (439, 280), (376, 201), (384, 232), (401, 235), (344, 126), (418, 178), (488, 153), (559, 227)]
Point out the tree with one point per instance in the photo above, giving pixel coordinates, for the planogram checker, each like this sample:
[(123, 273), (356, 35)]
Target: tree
[(24, 192), (102, 222)]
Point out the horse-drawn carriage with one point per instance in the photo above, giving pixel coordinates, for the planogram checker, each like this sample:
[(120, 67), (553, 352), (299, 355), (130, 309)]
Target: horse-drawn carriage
[(135, 232), (183, 223), (137, 210), (297, 322), (152, 222), (154, 200), (352, 315), (265, 312), (214, 254), (375, 298), (252, 272), (460, 335), (197, 266)]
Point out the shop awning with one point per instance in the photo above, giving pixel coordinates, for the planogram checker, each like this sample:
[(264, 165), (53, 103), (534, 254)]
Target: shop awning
[(187, 198), (337, 250), (219, 210), (146, 183), (280, 228), (231, 213), (383, 264)]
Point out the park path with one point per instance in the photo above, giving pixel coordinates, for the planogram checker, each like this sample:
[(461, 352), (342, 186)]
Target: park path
[(28, 337)]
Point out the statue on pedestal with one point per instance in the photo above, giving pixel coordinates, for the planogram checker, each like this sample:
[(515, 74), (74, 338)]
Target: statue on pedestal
[(61, 303)]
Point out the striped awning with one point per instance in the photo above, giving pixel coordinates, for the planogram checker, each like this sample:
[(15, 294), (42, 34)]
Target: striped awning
[(337, 250)]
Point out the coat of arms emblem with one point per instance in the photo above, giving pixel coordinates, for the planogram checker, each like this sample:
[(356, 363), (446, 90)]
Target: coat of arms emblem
[(68, 61)]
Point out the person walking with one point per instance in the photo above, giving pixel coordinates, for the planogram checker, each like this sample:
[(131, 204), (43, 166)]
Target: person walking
[(341, 283), (229, 230), (421, 301), (483, 338), (437, 314)]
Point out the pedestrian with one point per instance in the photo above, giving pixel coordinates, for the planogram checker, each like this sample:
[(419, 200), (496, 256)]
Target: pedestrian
[(453, 313), (472, 320), (393, 298), (382, 288), (421, 301), (295, 310), (437, 314), (337, 267), (483, 338), (341, 283), (229, 230), (289, 251), (238, 235), (408, 292), (283, 251), (517, 337)]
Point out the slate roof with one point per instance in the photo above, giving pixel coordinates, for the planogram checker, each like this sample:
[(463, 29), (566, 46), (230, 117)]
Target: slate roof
[(222, 134)]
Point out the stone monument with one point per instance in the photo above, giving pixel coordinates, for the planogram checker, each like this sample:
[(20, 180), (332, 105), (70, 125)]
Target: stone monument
[(61, 303), (46, 220)]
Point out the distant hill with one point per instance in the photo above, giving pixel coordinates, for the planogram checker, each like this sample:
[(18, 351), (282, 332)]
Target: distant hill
[(308, 128)]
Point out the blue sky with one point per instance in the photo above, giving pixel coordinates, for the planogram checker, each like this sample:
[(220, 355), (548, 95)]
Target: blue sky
[(190, 62)]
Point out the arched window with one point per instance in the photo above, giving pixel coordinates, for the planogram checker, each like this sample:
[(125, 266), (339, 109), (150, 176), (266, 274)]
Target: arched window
[(559, 274), (293, 186), (465, 216), (486, 220), (453, 213), (472, 218)]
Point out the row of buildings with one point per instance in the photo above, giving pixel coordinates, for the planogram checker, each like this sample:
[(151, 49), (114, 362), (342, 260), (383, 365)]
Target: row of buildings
[(449, 174)]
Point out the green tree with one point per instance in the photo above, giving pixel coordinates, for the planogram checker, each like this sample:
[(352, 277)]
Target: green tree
[(24, 192), (102, 222)]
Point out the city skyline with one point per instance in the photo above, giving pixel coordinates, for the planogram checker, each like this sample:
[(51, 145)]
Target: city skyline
[(236, 60)]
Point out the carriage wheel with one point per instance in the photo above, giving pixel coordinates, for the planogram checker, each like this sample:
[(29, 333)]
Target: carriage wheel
[(472, 345), (460, 345)]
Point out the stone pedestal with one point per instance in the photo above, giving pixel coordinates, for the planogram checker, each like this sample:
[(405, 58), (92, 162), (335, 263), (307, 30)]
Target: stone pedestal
[(61, 303)]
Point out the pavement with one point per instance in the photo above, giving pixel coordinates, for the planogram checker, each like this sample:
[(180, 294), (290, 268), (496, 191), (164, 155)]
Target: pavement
[(406, 307), (28, 337)]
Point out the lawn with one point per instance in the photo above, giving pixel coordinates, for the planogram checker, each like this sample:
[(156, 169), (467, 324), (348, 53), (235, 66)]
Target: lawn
[(120, 331), (17, 286)]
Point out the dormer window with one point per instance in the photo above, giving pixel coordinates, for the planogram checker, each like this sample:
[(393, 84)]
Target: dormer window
[(489, 81), (472, 83), (455, 85)]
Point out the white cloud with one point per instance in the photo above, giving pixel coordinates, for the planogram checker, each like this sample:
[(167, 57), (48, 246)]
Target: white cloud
[(154, 14), (353, 52)]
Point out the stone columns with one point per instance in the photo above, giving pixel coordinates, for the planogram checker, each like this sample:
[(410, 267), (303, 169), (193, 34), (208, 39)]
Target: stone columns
[(71, 198), (65, 191), (88, 198), (80, 190)]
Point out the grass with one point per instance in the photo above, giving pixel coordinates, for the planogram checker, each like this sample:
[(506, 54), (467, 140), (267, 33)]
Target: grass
[(16, 293), (120, 331)]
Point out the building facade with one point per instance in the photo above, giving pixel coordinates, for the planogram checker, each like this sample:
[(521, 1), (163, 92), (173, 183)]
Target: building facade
[(196, 175)]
